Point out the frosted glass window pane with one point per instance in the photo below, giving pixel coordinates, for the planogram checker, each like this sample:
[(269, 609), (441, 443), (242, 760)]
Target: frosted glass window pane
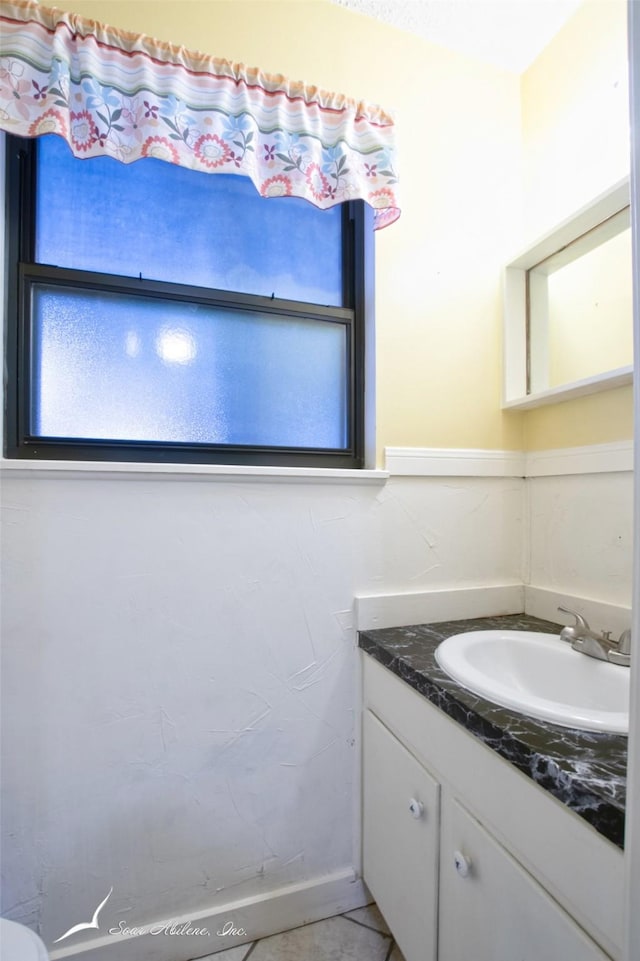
[(113, 366), (168, 223)]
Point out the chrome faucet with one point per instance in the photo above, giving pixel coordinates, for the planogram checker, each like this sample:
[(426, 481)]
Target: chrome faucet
[(586, 641)]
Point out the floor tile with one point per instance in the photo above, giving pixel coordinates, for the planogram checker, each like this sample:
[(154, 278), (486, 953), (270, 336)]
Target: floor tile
[(396, 954), (369, 916), (238, 953), (336, 939)]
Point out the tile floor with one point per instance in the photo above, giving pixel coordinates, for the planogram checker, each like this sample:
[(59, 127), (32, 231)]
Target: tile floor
[(360, 935)]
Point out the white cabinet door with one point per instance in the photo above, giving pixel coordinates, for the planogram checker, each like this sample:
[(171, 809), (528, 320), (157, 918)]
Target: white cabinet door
[(491, 909), (400, 840)]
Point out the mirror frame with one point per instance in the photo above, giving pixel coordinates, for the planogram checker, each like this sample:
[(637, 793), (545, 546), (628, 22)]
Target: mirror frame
[(515, 333)]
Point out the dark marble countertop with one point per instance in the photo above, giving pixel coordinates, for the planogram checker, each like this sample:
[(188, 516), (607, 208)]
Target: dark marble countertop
[(583, 769)]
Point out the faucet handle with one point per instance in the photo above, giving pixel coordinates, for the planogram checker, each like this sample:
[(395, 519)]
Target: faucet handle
[(580, 620), (620, 653)]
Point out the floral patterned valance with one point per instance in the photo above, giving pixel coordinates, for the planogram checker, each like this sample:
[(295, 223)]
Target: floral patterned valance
[(129, 96)]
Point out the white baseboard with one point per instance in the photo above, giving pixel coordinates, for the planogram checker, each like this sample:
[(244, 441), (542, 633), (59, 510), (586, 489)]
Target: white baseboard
[(259, 917), (601, 615), (428, 607)]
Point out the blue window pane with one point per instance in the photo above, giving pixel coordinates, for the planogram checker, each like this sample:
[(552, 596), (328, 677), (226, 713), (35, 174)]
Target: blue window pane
[(169, 223), (113, 366)]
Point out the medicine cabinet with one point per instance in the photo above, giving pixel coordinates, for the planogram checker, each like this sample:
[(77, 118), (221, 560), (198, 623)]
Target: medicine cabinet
[(568, 327)]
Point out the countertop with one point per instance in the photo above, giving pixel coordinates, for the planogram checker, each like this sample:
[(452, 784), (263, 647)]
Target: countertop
[(583, 769)]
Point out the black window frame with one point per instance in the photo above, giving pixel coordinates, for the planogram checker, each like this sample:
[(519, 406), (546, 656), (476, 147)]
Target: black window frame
[(22, 273)]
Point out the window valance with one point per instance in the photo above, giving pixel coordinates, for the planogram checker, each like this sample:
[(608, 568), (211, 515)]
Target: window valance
[(110, 92)]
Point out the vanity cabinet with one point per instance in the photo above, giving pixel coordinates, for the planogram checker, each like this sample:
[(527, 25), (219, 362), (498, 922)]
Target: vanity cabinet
[(468, 858), (491, 909), (401, 824)]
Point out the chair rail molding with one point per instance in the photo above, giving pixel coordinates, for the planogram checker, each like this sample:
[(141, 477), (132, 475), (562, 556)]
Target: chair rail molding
[(461, 462)]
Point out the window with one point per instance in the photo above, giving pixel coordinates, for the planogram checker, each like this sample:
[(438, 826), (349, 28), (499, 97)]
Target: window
[(162, 314)]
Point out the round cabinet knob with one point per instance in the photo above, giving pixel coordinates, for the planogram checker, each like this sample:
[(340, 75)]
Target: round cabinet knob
[(462, 864), (416, 808)]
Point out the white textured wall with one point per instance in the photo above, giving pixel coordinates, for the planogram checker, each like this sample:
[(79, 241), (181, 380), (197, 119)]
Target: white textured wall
[(178, 673), (581, 535)]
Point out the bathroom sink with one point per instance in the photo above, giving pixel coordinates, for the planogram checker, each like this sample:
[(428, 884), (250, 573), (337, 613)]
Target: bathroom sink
[(539, 675)]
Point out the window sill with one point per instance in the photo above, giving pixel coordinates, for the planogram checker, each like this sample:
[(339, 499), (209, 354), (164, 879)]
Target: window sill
[(100, 469)]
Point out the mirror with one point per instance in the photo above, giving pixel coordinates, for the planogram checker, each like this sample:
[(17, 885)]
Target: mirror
[(580, 307), (568, 308)]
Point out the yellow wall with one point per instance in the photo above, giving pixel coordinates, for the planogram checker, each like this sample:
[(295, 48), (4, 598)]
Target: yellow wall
[(596, 419), (575, 129), (438, 268)]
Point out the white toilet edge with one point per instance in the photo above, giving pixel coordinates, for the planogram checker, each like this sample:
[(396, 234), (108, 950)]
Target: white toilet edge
[(18, 943)]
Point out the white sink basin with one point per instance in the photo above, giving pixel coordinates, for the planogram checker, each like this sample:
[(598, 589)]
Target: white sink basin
[(540, 675)]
